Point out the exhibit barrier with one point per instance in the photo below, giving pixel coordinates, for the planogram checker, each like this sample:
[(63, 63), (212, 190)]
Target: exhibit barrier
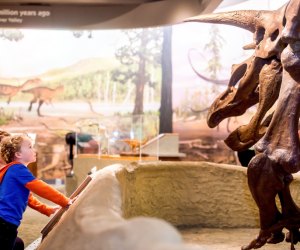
[(113, 207)]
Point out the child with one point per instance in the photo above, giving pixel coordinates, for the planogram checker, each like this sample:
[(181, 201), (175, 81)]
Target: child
[(16, 182)]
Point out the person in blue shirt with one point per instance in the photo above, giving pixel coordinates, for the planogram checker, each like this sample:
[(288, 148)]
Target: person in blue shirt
[(16, 187)]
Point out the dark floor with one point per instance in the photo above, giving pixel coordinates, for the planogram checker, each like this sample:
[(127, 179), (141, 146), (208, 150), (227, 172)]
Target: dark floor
[(226, 239), (208, 239)]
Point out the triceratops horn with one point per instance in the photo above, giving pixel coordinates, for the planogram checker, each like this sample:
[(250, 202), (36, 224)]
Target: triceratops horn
[(246, 19)]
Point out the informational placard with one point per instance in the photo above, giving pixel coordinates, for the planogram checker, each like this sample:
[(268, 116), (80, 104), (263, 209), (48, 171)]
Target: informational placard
[(110, 14), (19, 16), (59, 15)]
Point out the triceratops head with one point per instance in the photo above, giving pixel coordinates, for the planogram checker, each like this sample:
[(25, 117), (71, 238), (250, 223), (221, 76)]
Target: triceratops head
[(255, 80)]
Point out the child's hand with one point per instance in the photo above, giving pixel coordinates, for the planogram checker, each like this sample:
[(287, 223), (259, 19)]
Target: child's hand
[(72, 201), (55, 208)]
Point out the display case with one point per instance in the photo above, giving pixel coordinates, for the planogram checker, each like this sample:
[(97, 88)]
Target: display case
[(117, 136)]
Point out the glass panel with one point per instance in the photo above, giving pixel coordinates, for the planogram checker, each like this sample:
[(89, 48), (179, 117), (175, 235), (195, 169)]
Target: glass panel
[(118, 136)]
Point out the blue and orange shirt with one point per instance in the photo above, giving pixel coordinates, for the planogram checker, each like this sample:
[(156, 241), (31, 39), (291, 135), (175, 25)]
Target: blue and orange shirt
[(16, 182)]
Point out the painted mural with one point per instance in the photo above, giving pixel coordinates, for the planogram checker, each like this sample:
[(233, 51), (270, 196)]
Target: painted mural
[(50, 80)]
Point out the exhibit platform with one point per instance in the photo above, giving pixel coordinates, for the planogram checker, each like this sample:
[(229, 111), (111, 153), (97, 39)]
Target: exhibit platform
[(159, 197)]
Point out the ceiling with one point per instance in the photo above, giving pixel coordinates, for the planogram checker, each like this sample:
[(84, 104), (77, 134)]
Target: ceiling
[(99, 14)]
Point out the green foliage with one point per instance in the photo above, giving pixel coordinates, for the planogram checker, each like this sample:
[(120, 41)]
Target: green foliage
[(3, 121), (140, 58), (90, 87), (152, 113), (195, 103), (78, 87), (81, 87), (5, 116)]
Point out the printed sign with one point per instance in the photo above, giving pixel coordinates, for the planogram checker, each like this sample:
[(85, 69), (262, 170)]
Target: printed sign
[(59, 16), (23, 16)]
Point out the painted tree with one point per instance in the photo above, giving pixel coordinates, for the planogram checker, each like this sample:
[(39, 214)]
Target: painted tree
[(166, 111), (80, 33), (139, 56), (213, 47)]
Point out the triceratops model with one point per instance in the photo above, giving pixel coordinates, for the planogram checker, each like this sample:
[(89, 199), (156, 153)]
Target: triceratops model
[(271, 74)]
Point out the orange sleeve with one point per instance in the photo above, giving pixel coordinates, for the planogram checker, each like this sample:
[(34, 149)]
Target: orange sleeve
[(46, 191), (35, 204)]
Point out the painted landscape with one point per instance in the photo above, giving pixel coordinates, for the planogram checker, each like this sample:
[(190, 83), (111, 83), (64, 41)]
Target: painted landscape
[(50, 80)]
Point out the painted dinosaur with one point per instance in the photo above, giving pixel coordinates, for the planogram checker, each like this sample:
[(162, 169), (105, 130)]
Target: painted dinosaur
[(134, 144), (205, 78), (270, 75), (41, 95), (11, 91)]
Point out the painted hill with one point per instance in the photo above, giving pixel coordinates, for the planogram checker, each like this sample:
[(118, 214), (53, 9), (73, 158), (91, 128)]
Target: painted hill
[(82, 67)]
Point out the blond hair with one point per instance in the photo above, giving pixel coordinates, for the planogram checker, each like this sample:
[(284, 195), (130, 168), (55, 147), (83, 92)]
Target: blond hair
[(10, 145), (3, 134)]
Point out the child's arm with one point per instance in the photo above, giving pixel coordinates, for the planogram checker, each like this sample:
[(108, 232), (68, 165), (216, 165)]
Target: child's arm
[(46, 191), (35, 204)]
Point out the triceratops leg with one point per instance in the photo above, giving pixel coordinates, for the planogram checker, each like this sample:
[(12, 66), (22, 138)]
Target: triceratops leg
[(265, 180), (290, 211), (279, 157)]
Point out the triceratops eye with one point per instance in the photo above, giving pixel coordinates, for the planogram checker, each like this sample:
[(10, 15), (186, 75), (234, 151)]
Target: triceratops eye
[(284, 21), (274, 35), (260, 34)]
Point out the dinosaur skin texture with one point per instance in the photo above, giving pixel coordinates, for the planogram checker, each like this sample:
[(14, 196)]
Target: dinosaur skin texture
[(270, 77)]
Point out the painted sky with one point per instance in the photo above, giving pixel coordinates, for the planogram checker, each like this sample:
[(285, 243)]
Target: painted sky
[(196, 35), (41, 50)]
